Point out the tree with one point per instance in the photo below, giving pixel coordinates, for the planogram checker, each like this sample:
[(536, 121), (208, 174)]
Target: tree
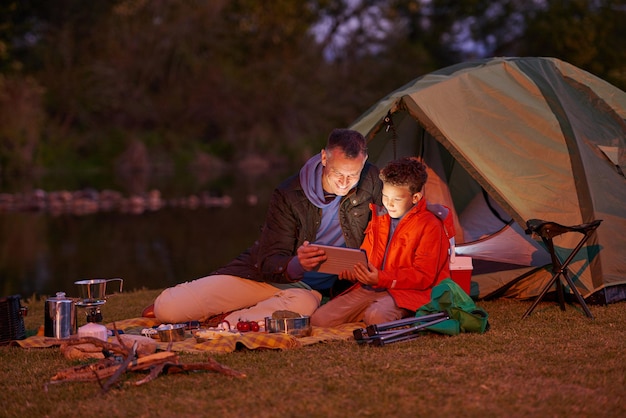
[(230, 77), (234, 71), (587, 33)]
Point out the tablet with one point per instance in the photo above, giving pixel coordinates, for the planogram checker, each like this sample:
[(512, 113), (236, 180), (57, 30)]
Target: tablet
[(340, 258)]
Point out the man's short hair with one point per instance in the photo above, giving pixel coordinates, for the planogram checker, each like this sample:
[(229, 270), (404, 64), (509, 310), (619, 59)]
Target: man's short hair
[(350, 142), (406, 171)]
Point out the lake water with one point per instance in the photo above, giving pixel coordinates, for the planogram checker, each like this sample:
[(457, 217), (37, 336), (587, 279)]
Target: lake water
[(43, 253)]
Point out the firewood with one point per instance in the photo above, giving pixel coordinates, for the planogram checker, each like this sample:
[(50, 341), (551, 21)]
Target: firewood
[(154, 373), (105, 345), (82, 351), (120, 370), (86, 372), (109, 366), (145, 345), (146, 362), (161, 362)]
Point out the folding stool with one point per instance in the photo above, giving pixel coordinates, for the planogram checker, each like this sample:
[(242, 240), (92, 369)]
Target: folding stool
[(548, 230), (398, 330)]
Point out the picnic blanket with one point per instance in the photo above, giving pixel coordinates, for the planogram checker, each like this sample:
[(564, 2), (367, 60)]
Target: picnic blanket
[(250, 340)]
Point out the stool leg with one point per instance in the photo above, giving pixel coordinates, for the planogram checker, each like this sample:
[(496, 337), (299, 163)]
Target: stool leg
[(564, 272), (556, 272), (557, 269), (580, 298), (541, 295), (560, 269), (560, 294), (555, 278)]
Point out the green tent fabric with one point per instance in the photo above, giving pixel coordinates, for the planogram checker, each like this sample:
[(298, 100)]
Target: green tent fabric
[(464, 315), (512, 139)]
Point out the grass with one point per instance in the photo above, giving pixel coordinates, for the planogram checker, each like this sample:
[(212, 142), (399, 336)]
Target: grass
[(553, 363)]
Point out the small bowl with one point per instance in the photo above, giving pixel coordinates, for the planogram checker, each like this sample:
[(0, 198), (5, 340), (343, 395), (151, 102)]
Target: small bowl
[(175, 332), (298, 327)]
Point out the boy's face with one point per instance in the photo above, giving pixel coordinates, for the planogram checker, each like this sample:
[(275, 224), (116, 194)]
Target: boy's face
[(398, 199)]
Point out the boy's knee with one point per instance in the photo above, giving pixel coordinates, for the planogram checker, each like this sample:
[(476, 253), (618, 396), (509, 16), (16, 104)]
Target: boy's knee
[(375, 315), (320, 318)]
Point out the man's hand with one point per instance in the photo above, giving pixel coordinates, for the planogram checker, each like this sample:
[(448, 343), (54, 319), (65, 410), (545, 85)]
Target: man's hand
[(310, 256)]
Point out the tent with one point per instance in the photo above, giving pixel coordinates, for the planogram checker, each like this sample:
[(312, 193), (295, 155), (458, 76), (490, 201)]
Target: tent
[(512, 139)]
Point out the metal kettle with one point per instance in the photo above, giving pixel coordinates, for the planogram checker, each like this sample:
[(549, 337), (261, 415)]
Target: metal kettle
[(60, 317)]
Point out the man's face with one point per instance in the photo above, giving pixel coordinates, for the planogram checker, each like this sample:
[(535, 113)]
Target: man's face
[(398, 199), (340, 173)]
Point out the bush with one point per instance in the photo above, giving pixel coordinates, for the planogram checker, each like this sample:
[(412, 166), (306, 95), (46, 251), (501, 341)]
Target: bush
[(22, 118)]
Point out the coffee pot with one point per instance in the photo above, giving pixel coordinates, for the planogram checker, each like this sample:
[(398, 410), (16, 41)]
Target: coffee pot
[(60, 317)]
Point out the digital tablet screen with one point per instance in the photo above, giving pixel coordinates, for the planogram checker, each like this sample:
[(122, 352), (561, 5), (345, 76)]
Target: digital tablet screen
[(340, 258)]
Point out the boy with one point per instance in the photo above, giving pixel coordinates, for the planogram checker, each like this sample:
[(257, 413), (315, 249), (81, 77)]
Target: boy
[(407, 252)]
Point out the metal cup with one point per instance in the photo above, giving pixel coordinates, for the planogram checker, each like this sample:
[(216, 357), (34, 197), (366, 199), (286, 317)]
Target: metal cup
[(93, 290)]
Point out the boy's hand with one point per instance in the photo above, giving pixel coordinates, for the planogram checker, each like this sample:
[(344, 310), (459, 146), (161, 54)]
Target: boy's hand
[(348, 275), (366, 275)]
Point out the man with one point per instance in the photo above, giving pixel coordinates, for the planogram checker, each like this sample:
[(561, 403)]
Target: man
[(326, 203)]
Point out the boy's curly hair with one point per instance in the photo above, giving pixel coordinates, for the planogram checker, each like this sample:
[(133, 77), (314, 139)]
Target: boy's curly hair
[(406, 171)]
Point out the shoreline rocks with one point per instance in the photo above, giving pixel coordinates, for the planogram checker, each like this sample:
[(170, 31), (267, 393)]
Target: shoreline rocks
[(88, 201)]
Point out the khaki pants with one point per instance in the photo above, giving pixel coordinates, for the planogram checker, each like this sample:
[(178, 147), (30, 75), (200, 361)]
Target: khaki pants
[(358, 304), (250, 300)]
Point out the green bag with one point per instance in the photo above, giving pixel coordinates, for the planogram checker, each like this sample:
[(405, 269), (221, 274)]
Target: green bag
[(465, 316)]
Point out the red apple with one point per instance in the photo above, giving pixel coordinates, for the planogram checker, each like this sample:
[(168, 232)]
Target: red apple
[(243, 326)]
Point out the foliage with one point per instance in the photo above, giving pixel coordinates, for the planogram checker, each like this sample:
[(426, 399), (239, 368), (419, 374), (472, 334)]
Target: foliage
[(590, 34), (234, 77), (553, 363), (21, 121)]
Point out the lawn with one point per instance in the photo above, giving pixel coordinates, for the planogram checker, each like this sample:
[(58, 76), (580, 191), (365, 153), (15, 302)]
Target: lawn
[(553, 363)]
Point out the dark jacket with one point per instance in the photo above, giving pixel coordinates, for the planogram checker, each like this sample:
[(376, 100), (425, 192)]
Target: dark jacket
[(292, 219)]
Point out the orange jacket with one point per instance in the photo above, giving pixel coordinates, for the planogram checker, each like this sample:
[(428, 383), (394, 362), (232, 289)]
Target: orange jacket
[(417, 258)]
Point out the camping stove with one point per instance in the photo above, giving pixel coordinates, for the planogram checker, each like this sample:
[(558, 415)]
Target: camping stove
[(92, 309), (93, 296)]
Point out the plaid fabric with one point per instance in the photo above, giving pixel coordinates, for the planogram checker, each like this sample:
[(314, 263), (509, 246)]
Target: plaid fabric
[(37, 341), (250, 340), (339, 333), (127, 325)]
